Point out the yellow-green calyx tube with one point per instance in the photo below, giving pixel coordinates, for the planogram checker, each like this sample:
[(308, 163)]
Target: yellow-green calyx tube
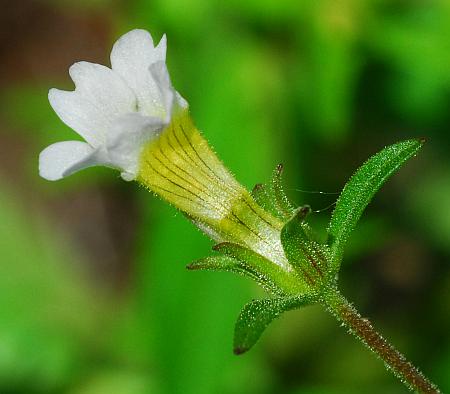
[(181, 168)]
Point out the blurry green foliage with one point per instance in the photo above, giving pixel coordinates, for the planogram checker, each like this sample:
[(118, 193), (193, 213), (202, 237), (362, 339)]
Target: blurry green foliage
[(432, 211), (46, 308), (416, 44)]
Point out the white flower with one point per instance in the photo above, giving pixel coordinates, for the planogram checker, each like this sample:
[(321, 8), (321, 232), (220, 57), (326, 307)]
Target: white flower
[(116, 110)]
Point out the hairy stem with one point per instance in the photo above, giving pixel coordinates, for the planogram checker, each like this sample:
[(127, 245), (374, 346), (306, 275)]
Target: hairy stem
[(364, 331)]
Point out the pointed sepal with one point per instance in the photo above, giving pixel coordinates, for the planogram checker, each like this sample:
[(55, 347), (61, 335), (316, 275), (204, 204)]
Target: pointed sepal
[(302, 251), (273, 198), (282, 201), (258, 314)]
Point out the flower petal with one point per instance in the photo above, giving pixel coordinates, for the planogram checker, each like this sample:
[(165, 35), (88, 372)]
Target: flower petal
[(161, 76), (181, 101), (161, 48), (56, 159), (100, 96), (131, 57), (126, 140)]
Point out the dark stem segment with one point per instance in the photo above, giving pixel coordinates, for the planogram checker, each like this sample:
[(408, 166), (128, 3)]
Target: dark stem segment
[(363, 329)]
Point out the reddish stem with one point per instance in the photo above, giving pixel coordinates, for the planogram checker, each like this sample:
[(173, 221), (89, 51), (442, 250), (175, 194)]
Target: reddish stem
[(363, 329)]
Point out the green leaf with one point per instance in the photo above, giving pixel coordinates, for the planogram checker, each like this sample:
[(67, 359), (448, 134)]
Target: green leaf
[(359, 191), (50, 312), (230, 264), (258, 314)]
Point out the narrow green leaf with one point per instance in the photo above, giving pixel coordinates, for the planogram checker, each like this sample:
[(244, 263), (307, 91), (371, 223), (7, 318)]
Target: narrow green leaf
[(359, 191), (223, 264), (258, 314), (230, 264), (214, 263)]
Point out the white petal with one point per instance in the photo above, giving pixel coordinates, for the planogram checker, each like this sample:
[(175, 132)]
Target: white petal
[(99, 97), (161, 77), (161, 49), (99, 157), (127, 138), (180, 100), (56, 159), (131, 57)]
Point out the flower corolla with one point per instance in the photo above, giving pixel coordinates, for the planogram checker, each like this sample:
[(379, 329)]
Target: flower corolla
[(116, 110)]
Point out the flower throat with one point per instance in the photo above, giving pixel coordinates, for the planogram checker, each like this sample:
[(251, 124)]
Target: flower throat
[(180, 167)]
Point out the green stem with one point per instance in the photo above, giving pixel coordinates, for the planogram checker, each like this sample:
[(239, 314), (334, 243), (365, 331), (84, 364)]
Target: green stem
[(336, 303)]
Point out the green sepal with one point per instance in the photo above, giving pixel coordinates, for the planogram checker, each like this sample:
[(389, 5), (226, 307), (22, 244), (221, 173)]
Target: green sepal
[(273, 198), (230, 264), (284, 282), (259, 194), (265, 198), (359, 191), (258, 314), (282, 201), (302, 251)]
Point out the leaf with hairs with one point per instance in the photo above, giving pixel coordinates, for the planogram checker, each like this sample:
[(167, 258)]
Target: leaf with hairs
[(359, 191), (258, 314)]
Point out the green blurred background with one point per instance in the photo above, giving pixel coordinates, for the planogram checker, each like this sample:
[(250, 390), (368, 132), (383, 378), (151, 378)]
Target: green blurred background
[(94, 297)]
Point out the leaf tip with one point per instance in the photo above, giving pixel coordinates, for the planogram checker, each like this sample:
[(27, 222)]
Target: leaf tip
[(258, 187), (218, 247), (221, 246), (302, 212), (198, 265), (238, 350)]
